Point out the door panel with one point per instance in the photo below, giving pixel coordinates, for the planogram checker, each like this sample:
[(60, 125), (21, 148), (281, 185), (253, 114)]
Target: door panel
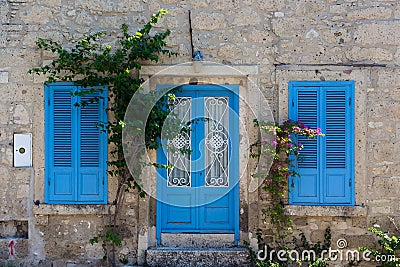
[(200, 194)]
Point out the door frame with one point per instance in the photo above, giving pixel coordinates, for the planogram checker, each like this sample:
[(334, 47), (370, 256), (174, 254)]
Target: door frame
[(234, 89)]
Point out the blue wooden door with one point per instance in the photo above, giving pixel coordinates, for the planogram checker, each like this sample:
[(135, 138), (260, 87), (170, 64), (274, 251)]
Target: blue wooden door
[(200, 193)]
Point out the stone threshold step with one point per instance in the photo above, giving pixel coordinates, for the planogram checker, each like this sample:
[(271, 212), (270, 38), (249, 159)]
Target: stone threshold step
[(196, 257)]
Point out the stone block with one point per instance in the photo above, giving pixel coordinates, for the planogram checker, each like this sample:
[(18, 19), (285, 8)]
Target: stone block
[(246, 17), (396, 11), (4, 12), (383, 222), (388, 78), (16, 57), (20, 248), (197, 240), (385, 187), (270, 5), (21, 114), (41, 220), (263, 37), (51, 3), (291, 27), (208, 21), (340, 225), (197, 257), (170, 1), (23, 191), (300, 222), (223, 4), (388, 109), (37, 15), (375, 54), (360, 222), (355, 241), (304, 8), (317, 236), (6, 156), (59, 263), (201, 4), (370, 13), (129, 6), (95, 5), (39, 79), (84, 18), (3, 76), (378, 33)]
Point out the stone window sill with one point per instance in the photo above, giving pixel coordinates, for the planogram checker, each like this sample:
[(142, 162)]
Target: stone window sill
[(46, 209), (320, 211)]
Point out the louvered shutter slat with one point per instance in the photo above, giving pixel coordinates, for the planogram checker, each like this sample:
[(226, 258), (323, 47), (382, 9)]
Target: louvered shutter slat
[(306, 187), (91, 140), (59, 142), (337, 176)]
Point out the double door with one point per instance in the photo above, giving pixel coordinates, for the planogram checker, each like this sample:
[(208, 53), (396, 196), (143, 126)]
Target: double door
[(199, 193)]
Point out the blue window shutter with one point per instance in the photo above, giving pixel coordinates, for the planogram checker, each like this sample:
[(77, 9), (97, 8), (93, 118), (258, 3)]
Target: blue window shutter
[(60, 158), (304, 107), (76, 149), (338, 158), (326, 164), (92, 150)]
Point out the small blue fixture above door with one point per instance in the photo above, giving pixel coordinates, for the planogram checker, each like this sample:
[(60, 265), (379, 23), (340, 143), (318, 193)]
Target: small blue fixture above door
[(201, 193)]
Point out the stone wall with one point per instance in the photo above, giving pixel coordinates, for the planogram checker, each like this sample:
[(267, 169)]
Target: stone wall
[(285, 39)]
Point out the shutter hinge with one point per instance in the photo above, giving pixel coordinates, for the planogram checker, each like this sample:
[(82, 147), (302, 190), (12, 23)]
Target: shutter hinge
[(103, 180), (350, 182), (292, 102), (48, 102), (48, 182), (349, 101)]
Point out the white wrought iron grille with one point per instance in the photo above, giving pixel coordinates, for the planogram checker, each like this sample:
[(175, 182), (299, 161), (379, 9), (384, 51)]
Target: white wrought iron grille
[(216, 141)]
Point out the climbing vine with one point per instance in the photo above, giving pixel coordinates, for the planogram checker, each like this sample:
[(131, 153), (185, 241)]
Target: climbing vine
[(285, 150), (94, 63)]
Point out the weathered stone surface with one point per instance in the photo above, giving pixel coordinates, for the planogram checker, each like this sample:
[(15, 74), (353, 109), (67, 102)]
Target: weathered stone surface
[(37, 15), (378, 33), (246, 17), (208, 21), (3, 77), (4, 12), (371, 54), (199, 257), (313, 40), (379, 12)]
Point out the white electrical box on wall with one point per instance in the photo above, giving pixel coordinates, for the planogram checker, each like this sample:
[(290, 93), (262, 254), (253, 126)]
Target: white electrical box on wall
[(23, 150)]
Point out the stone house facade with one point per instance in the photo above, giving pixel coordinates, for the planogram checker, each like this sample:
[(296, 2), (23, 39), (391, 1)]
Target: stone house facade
[(260, 46)]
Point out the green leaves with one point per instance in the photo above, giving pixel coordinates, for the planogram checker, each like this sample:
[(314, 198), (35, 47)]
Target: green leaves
[(388, 254), (92, 62), (283, 150)]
